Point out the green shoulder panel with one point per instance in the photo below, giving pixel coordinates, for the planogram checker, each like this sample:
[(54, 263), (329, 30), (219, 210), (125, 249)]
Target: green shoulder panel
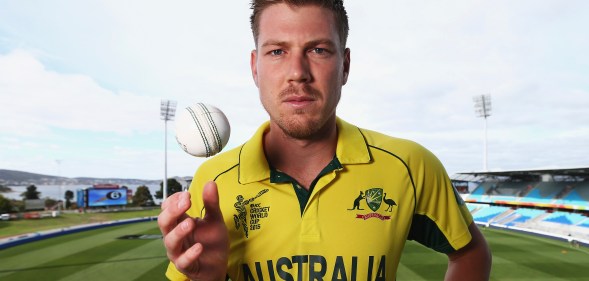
[(426, 232)]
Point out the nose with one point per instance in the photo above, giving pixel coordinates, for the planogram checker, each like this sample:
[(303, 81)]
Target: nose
[(299, 70)]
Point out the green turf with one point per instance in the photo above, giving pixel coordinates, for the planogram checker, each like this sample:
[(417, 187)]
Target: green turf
[(17, 227), (99, 255), (516, 256), (88, 255)]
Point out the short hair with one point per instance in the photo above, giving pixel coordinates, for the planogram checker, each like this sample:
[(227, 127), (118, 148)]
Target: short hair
[(336, 6)]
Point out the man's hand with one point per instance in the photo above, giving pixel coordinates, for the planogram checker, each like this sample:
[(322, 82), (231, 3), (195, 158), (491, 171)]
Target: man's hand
[(198, 247)]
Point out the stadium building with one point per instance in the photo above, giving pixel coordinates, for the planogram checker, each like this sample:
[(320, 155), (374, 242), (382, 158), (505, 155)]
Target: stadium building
[(549, 202)]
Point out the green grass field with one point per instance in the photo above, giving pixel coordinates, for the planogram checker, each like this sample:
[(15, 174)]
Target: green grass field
[(17, 227), (100, 255), (89, 255), (515, 257)]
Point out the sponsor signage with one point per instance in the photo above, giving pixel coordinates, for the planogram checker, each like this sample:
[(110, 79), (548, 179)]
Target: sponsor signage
[(106, 197)]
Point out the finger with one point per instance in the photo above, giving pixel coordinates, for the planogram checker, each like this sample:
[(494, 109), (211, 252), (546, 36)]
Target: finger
[(210, 197), (176, 241), (173, 211), (188, 263), (166, 200), (173, 199)]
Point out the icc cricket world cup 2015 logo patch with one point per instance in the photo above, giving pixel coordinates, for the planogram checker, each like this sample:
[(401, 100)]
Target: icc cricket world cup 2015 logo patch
[(257, 212), (374, 199)]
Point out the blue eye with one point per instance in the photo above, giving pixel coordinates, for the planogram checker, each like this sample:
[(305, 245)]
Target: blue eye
[(319, 50), (276, 52)]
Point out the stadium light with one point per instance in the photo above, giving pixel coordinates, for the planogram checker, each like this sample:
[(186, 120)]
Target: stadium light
[(482, 108), (61, 194), (167, 113)]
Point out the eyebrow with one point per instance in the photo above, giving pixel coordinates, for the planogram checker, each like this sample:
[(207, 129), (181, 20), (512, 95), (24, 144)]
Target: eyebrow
[(328, 42), (274, 43)]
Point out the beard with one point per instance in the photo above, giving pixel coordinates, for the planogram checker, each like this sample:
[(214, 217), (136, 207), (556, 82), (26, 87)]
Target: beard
[(302, 124), (297, 128)]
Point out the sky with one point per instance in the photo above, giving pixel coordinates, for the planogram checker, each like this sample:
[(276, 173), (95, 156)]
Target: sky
[(81, 81)]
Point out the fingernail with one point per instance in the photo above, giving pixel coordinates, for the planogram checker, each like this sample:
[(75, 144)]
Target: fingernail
[(182, 201)]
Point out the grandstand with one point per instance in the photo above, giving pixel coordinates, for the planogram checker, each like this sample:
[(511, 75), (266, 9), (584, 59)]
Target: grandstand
[(554, 202)]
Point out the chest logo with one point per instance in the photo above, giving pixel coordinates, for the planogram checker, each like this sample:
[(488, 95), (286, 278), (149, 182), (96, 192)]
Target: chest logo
[(256, 213), (374, 198)]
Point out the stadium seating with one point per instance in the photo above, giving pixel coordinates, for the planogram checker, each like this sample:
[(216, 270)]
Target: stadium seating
[(486, 214), (583, 190), (523, 215), (482, 188), (578, 195), (512, 188), (496, 191), (573, 196), (565, 218), (472, 207), (544, 192), (547, 201)]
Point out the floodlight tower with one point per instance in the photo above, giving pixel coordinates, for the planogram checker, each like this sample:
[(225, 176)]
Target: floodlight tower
[(61, 194), (482, 108), (167, 113)]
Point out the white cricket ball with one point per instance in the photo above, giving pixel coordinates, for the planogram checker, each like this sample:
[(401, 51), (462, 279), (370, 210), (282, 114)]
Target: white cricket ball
[(202, 130)]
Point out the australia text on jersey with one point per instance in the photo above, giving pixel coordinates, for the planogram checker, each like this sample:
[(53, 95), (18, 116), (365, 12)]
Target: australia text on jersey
[(317, 267)]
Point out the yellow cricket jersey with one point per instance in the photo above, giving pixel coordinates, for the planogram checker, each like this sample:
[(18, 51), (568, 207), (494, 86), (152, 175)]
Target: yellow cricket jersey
[(380, 192)]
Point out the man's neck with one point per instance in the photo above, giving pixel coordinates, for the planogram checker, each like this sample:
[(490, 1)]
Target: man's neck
[(302, 159)]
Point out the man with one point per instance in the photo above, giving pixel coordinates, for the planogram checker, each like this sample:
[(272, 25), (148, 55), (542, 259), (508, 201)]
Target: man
[(277, 208)]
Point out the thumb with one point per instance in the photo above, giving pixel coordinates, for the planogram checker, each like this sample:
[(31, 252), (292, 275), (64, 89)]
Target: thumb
[(210, 197)]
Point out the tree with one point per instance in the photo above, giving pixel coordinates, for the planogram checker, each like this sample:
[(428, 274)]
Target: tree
[(31, 193), (4, 188), (69, 195), (5, 205), (142, 196), (173, 187), (51, 203)]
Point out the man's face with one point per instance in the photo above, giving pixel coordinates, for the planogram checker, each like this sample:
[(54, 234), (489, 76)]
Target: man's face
[(299, 67)]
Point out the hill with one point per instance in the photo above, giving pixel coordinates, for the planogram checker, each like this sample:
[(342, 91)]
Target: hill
[(7, 176), (12, 177)]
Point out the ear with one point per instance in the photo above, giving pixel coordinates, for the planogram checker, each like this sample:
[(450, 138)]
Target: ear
[(254, 66), (346, 65)]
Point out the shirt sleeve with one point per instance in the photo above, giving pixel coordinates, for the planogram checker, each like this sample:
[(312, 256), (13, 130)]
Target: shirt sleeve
[(441, 218)]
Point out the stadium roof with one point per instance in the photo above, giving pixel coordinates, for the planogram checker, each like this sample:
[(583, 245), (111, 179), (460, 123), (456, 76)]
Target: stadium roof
[(568, 172)]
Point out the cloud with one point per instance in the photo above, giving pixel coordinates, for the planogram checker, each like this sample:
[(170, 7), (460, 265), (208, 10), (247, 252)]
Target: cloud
[(90, 76), (41, 99), (51, 115), (414, 74)]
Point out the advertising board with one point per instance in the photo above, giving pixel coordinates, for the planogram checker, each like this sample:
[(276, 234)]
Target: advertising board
[(106, 197)]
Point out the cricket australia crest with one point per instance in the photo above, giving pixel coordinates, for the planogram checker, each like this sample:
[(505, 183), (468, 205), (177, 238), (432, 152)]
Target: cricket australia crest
[(374, 198)]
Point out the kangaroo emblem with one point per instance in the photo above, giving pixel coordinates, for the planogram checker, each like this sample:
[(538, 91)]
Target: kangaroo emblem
[(357, 201)]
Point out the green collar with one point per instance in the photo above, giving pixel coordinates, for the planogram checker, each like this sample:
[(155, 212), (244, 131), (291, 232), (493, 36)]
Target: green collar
[(303, 195), (277, 176)]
